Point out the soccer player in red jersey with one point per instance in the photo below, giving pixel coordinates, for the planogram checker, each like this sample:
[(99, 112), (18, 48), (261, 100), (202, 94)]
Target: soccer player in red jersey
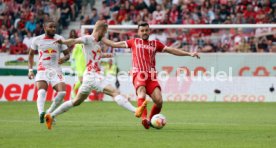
[(143, 67)]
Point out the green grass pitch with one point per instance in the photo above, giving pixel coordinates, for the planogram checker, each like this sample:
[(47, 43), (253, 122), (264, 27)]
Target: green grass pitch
[(106, 125)]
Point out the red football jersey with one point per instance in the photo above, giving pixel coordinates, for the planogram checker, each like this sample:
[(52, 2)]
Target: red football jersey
[(143, 53)]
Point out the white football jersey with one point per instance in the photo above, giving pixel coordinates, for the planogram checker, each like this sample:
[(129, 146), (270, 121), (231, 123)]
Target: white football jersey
[(92, 52), (49, 53)]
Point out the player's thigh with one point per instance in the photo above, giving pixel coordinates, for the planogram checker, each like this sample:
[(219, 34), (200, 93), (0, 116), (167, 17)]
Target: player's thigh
[(156, 96), (60, 87), (141, 91), (41, 85), (139, 82), (110, 90), (80, 98)]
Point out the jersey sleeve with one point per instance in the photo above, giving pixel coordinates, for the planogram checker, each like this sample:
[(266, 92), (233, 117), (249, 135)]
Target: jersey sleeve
[(84, 39), (159, 46), (63, 47), (129, 43), (34, 44)]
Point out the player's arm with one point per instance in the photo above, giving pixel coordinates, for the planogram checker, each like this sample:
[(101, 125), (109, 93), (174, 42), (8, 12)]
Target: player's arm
[(65, 58), (179, 52), (31, 63), (69, 42), (113, 44), (107, 55)]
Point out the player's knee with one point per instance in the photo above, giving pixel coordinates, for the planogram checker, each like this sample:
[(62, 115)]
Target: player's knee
[(159, 102), (141, 93), (115, 93)]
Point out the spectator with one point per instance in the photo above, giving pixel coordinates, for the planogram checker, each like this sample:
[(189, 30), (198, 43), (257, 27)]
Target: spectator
[(65, 14), (105, 10), (152, 6), (31, 24), (4, 31), (86, 20), (94, 16), (243, 46), (173, 14), (38, 30), (28, 39), (19, 47), (141, 5), (2, 7), (252, 43), (86, 3), (159, 35), (15, 36), (158, 14), (121, 14), (54, 12), (208, 46), (127, 20), (262, 45), (5, 46)]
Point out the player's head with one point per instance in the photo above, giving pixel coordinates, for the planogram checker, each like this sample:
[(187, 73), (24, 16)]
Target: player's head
[(100, 28), (50, 28), (144, 30)]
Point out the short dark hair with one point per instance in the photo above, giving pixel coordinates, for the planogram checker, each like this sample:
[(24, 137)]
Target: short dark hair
[(143, 24), (48, 21)]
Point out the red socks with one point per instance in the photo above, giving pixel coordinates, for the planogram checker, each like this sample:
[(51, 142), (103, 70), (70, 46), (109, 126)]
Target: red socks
[(154, 110), (139, 103)]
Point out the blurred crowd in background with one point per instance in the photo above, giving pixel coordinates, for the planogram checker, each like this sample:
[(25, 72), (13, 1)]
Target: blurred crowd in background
[(20, 20)]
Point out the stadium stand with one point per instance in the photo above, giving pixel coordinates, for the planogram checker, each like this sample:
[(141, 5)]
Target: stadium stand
[(18, 18), (21, 20)]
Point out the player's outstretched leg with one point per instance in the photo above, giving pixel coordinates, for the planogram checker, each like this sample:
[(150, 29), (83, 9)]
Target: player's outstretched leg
[(157, 99), (141, 92), (64, 107), (118, 98), (57, 101)]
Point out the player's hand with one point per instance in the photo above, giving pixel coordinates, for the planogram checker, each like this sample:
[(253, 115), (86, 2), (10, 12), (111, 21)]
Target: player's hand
[(59, 41), (31, 75), (195, 54), (109, 55), (61, 61)]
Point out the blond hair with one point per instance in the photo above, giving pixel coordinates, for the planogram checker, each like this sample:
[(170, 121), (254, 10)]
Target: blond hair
[(101, 24)]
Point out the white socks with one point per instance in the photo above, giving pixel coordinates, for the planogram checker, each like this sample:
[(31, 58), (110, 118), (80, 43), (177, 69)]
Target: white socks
[(41, 97), (62, 108), (57, 101), (122, 101)]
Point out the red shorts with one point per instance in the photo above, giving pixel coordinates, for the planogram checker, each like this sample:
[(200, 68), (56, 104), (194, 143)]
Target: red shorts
[(145, 79)]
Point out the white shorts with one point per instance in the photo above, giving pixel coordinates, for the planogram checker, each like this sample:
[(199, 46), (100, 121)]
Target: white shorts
[(93, 81), (50, 76)]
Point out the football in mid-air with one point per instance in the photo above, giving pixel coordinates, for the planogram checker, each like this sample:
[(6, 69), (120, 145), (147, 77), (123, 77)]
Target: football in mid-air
[(158, 121)]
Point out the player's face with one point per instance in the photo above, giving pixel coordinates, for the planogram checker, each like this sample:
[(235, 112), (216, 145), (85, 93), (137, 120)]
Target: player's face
[(144, 32), (50, 29), (102, 33)]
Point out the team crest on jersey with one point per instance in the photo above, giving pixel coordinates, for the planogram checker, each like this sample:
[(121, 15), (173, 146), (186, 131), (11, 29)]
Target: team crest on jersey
[(145, 46), (50, 51), (99, 51)]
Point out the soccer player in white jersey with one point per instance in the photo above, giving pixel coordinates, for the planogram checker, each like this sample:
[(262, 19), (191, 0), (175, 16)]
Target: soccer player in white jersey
[(91, 78), (48, 70)]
